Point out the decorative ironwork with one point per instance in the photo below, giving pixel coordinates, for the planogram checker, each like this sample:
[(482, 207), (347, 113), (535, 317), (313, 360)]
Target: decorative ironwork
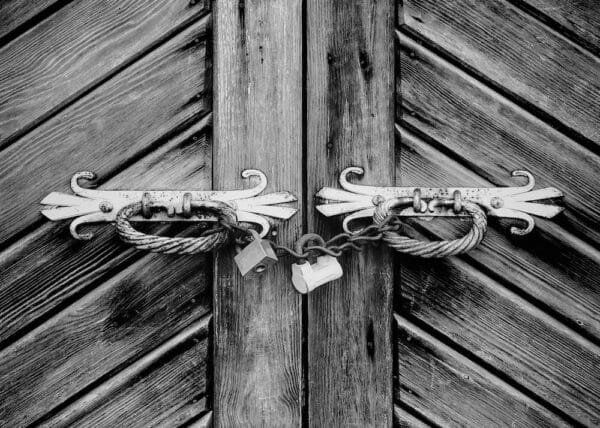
[(96, 206), (503, 202)]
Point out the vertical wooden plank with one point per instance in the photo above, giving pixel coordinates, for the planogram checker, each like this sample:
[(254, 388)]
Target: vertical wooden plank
[(258, 124), (350, 101)]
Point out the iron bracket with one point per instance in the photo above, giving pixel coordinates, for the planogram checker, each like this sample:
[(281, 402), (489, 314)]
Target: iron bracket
[(96, 206), (503, 202)]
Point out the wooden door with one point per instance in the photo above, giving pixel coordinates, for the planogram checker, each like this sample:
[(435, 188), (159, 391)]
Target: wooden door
[(185, 95)]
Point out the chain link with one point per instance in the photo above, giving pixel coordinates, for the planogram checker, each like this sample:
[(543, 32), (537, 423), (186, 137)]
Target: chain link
[(335, 246), (343, 242)]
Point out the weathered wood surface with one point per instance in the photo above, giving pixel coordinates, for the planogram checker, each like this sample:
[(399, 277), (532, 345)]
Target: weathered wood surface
[(403, 419), (205, 421), (122, 119), (350, 72), (166, 387), (110, 327), (493, 136), (517, 53), (15, 13), (577, 19), (505, 331), (550, 265), (258, 124), (47, 269), (75, 49), (450, 390)]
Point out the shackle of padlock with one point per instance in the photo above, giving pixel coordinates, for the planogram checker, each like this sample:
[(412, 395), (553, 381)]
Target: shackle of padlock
[(254, 258), (308, 276)]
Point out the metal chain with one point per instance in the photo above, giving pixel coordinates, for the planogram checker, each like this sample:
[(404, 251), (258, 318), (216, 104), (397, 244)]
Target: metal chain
[(342, 242)]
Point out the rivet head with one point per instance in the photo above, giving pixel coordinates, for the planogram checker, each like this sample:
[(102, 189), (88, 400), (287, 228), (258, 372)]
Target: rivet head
[(105, 206), (497, 202), (377, 200)]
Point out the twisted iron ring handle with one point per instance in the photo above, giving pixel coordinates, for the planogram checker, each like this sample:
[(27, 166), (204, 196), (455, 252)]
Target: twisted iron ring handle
[(433, 249), (176, 245)]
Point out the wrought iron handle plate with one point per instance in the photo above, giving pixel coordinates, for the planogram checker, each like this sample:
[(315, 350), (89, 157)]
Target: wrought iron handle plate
[(506, 202), (97, 206)]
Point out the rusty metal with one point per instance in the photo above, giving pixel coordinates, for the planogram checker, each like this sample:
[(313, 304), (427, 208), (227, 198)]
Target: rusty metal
[(503, 202), (96, 206)]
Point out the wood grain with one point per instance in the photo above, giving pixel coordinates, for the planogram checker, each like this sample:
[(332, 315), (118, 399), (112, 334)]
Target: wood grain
[(125, 118), (258, 124), (580, 18), (48, 268), (551, 265), (75, 49), (403, 419), (109, 328), (204, 422), (507, 333), (350, 71), (494, 136), (14, 13), (166, 387), (451, 390), (515, 52)]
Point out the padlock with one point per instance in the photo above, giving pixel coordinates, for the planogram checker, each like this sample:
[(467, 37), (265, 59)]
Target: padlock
[(306, 277), (254, 258)]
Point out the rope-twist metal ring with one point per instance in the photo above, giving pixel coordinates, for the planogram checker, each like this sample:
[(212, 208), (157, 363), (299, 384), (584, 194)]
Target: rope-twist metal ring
[(175, 245), (433, 249)]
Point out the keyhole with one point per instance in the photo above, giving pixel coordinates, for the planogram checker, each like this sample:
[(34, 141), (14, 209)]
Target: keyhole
[(260, 268)]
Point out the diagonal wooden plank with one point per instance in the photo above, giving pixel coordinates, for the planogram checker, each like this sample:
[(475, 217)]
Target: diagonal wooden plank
[(48, 268), (579, 19), (161, 94), (107, 329), (15, 13), (494, 136), (505, 332), (403, 419), (205, 421), (75, 49), (450, 390), (551, 265), (350, 72), (258, 124), (166, 387), (518, 54)]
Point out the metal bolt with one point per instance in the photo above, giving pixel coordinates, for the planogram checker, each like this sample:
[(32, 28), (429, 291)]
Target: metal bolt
[(105, 206), (378, 199), (497, 202)]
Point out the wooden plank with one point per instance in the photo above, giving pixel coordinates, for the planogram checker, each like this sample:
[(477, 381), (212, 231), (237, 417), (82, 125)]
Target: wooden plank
[(518, 53), (124, 118), (203, 422), (166, 387), (350, 72), (403, 419), (75, 49), (550, 265), (494, 136), (504, 331), (451, 390), (258, 124), (14, 13), (48, 268), (578, 19), (108, 328)]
